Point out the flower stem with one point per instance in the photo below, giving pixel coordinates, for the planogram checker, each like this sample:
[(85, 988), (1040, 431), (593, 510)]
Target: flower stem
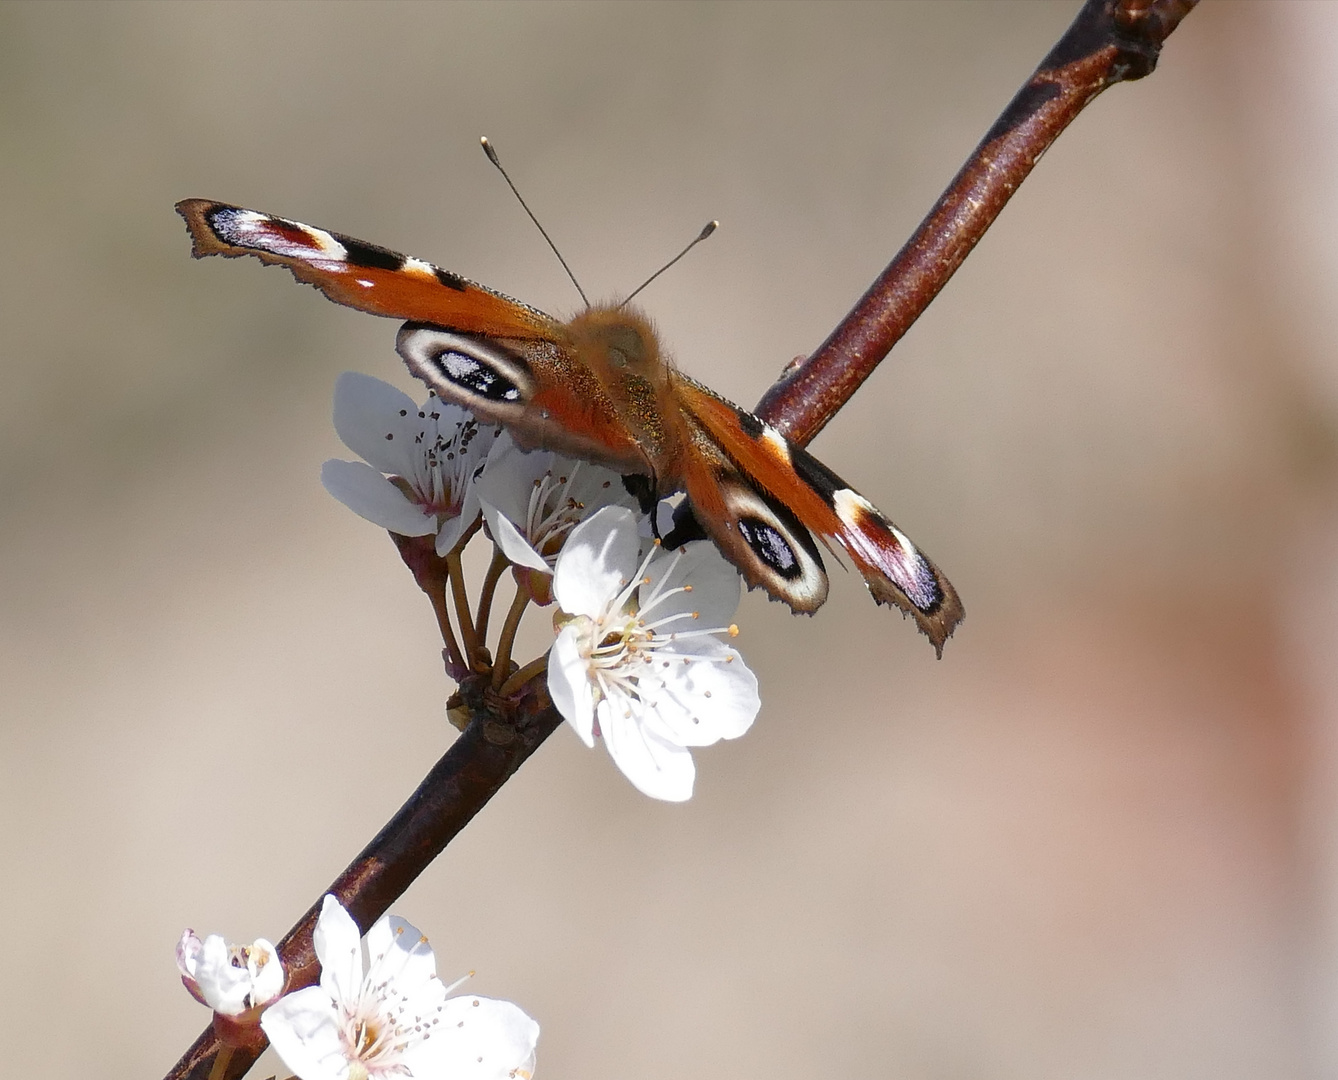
[(437, 596), (524, 675), (455, 571), (508, 636), (499, 563)]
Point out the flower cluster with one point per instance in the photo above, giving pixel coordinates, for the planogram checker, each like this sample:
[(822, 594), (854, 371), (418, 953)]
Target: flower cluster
[(639, 659), (389, 1018)]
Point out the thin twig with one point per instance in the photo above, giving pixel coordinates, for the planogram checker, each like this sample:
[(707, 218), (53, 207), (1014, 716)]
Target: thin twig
[(1110, 41)]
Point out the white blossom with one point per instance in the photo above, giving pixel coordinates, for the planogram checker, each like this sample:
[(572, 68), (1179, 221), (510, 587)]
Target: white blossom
[(230, 979), (638, 659), (436, 451), (532, 500), (392, 1018)]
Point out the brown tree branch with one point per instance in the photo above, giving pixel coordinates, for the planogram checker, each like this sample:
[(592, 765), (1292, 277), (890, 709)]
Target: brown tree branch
[(1109, 42)]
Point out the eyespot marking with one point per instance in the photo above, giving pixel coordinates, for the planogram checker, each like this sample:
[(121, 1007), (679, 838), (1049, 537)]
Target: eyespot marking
[(464, 369), (771, 547), (468, 373)]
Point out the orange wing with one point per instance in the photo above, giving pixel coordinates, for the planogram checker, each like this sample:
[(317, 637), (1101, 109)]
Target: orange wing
[(893, 568), (361, 275)]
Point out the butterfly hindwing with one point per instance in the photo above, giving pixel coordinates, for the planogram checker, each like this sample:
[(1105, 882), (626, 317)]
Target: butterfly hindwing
[(757, 533), (544, 396), (894, 569), (361, 275)]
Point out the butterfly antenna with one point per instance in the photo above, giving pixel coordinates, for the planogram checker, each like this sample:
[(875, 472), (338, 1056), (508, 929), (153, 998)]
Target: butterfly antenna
[(492, 156), (710, 227)]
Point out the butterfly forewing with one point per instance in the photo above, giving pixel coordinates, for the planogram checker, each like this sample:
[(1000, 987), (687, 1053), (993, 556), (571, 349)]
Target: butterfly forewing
[(361, 275)]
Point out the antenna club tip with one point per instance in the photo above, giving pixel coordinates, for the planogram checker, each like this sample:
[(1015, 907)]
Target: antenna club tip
[(709, 228), (487, 149)]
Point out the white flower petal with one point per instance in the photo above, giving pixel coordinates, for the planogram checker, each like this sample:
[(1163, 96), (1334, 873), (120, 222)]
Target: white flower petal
[(233, 979), (510, 475), (716, 586), (398, 950), (370, 495), (339, 949), (704, 700), (451, 531), (597, 561), (514, 546), (366, 410), (655, 766), (303, 1027), (484, 1039), (569, 683)]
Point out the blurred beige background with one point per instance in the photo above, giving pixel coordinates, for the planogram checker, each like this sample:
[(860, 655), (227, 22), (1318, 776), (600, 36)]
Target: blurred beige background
[(1099, 840)]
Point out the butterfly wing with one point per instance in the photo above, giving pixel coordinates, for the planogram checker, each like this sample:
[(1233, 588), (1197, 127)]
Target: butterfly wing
[(759, 534), (505, 361), (538, 389), (361, 275), (786, 475)]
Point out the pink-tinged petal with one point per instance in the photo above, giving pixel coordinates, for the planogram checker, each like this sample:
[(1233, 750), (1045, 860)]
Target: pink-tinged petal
[(370, 495), (705, 700), (188, 953), (483, 1039), (514, 546), (366, 410), (339, 949), (655, 766), (569, 683), (303, 1027), (597, 561)]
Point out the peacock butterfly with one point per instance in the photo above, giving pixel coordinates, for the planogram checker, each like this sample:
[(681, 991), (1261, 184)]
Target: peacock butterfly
[(600, 387)]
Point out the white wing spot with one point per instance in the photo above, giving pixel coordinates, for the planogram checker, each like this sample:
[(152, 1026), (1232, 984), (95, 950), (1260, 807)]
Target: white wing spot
[(776, 441), (418, 266), (851, 506)]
